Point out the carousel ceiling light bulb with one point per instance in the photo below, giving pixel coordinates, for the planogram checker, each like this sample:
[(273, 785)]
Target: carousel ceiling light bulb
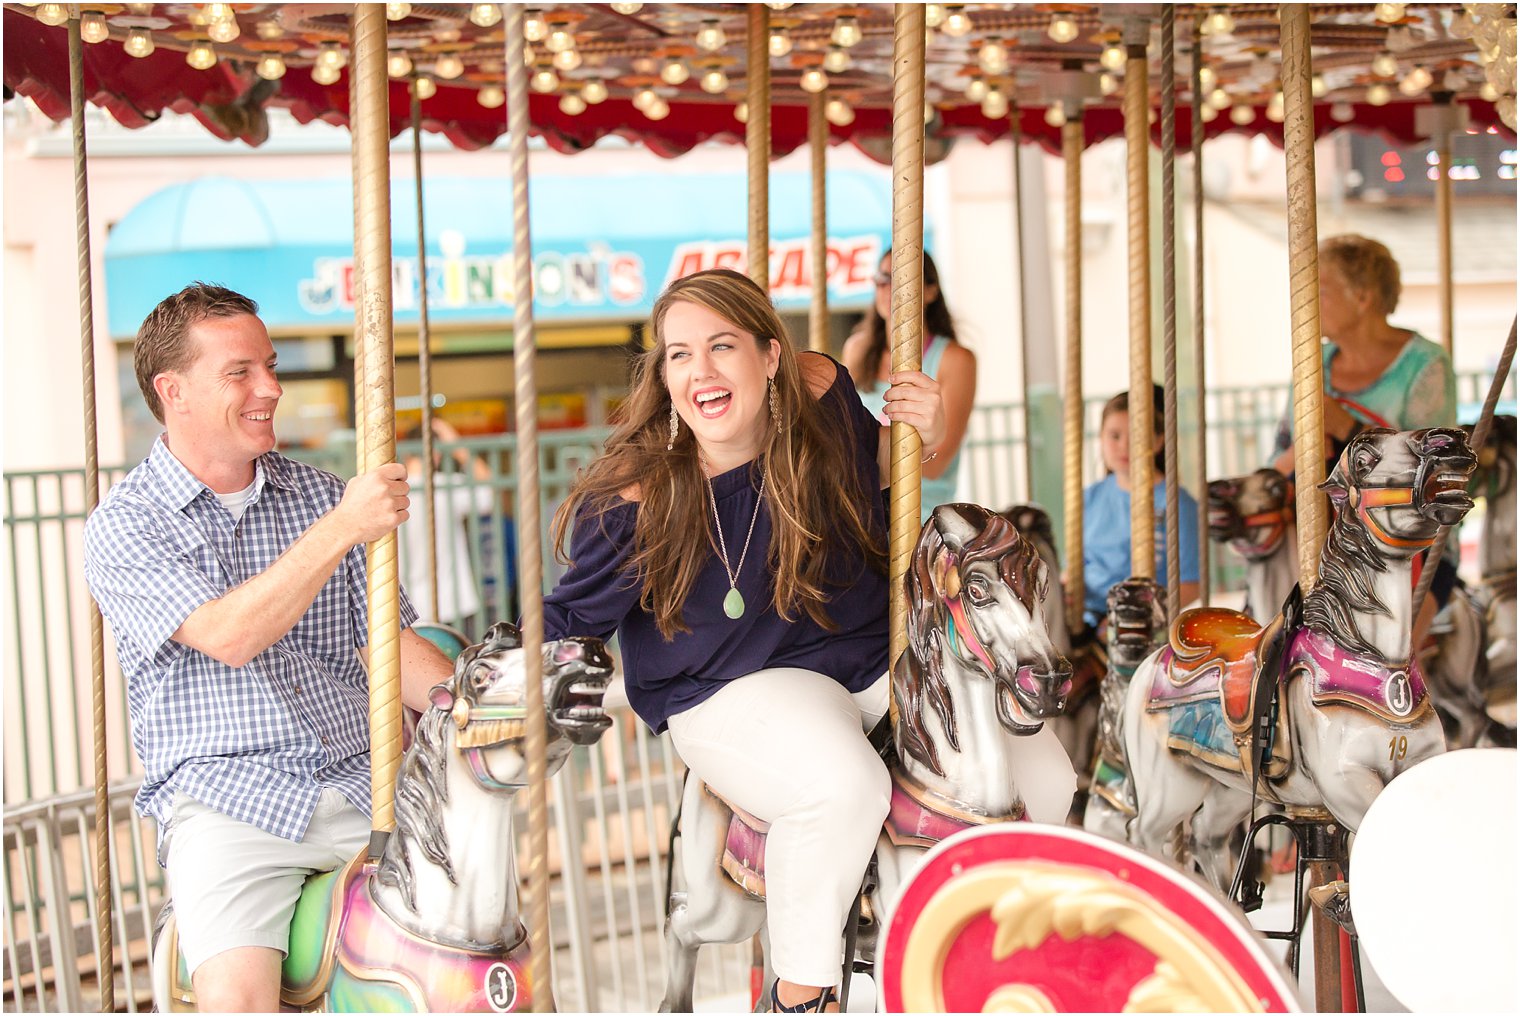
[(995, 105), (485, 15), (1113, 57), (1219, 22), (846, 31), (1207, 79), (216, 12), (1242, 115), (93, 27), (674, 72), (535, 28), (140, 43), (544, 80), (1055, 116), (398, 64), (623, 9), (645, 97), (1400, 39), (52, 15), (426, 87), (657, 110), (976, 90), (268, 29), (1208, 114), (929, 112), (594, 91), (329, 55), (714, 81), (566, 60), (1063, 27), (779, 5), (1453, 80), (571, 104), (559, 39), (741, 112), (202, 56), (1275, 111), (224, 31), (1220, 99), (1317, 86), (1379, 94), (934, 16), (993, 56), (957, 22), (491, 97), (1342, 112), (396, 12), (1385, 64), (814, 80), (839, 113), (271, 67), (1416, 81), (449, 66), (141, 10), (1389, 13), (780, 43), (710, 36), (1108, 84), (325, 75), (836, 60)]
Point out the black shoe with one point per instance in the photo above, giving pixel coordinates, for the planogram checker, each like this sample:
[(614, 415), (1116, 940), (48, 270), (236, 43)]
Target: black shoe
[(826, 996)]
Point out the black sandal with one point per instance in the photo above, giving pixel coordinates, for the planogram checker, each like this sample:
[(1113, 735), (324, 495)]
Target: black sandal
[(826, 996)]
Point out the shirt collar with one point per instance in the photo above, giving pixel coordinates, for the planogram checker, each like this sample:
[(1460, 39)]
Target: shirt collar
[(178, 486)]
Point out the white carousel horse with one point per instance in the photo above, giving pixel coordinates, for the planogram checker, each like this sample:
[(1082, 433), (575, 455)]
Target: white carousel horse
[(980, 677), (1136, 626), (1494, 481), (1327, 682), (433, 925)]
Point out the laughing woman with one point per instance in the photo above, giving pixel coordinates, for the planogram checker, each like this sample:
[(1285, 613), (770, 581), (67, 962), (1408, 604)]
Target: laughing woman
[(733, 534)]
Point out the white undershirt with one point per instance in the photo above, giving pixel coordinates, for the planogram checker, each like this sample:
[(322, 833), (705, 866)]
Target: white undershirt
[(237, 502)]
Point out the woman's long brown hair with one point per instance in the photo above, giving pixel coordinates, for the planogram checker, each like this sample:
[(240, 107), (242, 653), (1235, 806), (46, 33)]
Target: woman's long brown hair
[(937, 321), (812, 486)]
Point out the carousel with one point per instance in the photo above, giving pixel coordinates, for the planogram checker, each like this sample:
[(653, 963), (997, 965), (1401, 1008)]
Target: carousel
[(1199, 739)]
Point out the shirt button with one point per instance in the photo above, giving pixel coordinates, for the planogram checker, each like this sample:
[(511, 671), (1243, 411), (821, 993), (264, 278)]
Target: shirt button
[(298, 689), (325, 742)]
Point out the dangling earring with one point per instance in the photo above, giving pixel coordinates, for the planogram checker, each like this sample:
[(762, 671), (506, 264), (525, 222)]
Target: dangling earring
[(770, 391), (675, 425)]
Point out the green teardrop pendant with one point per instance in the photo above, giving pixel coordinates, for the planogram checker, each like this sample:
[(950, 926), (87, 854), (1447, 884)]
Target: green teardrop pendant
[(733, 604)]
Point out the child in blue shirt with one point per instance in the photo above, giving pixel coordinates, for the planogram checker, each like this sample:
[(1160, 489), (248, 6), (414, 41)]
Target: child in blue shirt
[(1106, 515)]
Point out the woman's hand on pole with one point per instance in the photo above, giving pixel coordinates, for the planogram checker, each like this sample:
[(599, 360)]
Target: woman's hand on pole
[(914, 398)]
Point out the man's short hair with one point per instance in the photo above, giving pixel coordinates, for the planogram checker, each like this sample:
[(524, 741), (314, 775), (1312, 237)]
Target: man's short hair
[(163, 341)]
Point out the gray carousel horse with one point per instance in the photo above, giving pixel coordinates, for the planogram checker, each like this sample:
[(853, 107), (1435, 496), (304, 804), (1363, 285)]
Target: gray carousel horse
[(1494, 481), (1322, 707), (979, 678), (1136, 626), (433, 925)]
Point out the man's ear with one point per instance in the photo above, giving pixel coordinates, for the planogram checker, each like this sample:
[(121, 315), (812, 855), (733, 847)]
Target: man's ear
[(167, 385)]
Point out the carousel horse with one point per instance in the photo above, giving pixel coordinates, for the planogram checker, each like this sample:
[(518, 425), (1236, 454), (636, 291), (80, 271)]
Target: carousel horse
[(1323, 706), (980, 675), (1494, 481), (1136, 625), (433, 924)]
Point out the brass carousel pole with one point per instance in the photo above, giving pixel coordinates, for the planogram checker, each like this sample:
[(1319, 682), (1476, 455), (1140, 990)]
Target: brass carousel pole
[(1142, 472), (1308, 408), (369, 126), (907, 299), (529, 523), (425, 363), (1016, 138), (757, 141), (1072, 428), (1169, 307), (1196, 89), (104, 943), (818, 148), (1443, 221), (354, 169)]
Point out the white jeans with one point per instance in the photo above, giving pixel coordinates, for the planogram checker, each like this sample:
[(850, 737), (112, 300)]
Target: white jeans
[(788, 746)]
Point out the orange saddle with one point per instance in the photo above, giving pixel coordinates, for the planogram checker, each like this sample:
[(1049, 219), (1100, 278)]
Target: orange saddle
[(1212, 650)]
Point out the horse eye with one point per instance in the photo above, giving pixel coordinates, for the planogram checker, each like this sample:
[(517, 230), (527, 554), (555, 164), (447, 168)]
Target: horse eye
[(977, 590), (480, 676)]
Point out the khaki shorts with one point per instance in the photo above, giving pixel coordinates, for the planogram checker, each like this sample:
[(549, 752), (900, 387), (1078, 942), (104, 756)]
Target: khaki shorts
[(235, 885)]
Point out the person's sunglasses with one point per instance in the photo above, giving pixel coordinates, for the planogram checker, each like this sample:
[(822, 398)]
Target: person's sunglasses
[(882, 278)]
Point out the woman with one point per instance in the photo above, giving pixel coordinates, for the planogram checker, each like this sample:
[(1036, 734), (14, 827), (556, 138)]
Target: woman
[(869, 359), (733, 534), (1376, 374)]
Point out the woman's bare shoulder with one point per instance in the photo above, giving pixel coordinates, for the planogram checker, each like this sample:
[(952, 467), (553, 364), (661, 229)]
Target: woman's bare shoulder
[(818, 372)]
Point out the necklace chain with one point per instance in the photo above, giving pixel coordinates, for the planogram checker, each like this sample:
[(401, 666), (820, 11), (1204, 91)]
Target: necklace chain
[(733, 573)]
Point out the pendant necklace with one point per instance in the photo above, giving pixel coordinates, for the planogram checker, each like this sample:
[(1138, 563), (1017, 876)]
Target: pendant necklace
[(733, 603)]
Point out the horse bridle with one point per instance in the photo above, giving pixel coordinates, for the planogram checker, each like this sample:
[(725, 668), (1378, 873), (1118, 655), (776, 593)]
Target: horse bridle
[(1365, 499), (1276, 518)]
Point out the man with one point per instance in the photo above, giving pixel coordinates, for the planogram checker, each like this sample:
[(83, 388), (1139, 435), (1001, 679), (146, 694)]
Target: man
[(233, 579)]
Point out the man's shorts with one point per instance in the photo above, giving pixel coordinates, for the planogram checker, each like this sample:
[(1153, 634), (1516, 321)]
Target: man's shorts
[(235, 885)]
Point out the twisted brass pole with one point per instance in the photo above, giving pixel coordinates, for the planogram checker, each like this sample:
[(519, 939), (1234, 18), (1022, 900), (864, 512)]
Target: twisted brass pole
[(757, 141), (1443, 227), (907, 299), (1169, 306), (1072, 423), (1016, 137), (358, 342), (529, 522), (425, 362), (1142, 473), (818, 148), (1196, 89), (104, 941), (369, 125), (1303, 268)]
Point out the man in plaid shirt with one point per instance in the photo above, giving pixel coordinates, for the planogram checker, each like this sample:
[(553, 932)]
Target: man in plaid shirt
[(234, 582)]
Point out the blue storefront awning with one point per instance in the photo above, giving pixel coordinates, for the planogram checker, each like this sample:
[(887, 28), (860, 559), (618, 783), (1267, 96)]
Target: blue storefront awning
[(603, 246)]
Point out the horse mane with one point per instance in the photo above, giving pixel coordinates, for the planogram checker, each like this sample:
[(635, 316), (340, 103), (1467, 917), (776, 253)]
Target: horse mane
[(922, 682), (1347, 586)]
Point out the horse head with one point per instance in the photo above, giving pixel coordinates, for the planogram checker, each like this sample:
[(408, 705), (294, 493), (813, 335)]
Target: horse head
[(1400, 488), (1251, 513), (975, 594), (1136, 622), (1495, 475), (1034, 525)]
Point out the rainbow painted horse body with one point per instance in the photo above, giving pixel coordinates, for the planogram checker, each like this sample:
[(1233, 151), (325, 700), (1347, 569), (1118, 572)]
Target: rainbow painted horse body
[(980, 676), (1323, 706), (432, 926)]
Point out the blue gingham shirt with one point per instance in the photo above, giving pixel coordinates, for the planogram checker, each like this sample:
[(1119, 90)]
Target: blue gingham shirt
[(260, 742)]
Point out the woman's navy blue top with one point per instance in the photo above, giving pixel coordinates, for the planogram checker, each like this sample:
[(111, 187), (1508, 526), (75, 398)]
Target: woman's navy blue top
[(599, 594)]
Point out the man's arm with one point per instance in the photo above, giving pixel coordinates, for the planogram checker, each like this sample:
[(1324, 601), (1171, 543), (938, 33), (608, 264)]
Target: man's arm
[(422, 666), (236, 627)]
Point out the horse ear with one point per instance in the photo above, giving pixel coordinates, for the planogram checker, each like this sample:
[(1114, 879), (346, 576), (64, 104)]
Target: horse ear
[(1336, 485), (945, 576), (953, 527), (442, 697)]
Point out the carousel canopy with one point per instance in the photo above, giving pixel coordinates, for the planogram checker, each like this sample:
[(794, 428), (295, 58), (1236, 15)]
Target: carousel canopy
[(671, 76)]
